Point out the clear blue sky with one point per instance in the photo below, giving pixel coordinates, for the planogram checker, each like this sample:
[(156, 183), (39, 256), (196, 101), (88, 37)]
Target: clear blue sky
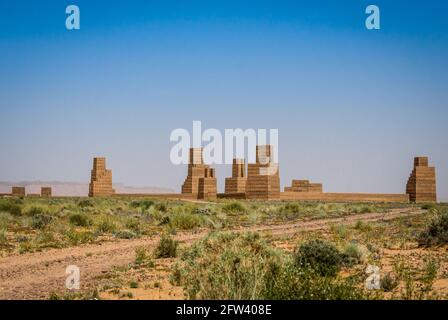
[(352, 106)]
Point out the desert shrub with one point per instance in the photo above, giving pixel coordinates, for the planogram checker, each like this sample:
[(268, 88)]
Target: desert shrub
[(141, 256), (389, 282), (5, 220), (436, 233), (428, 206), (362, 226), (340, 229), (352, 254), (143, 204), (46, 239), (162, 207), (133, 224), (39, 221), (185, 221), (79, 237), (85, 203), (26, 246), (125, 234), (105, 225), (430, 270), (167, 248), (296, 283), (321, 256), (290, 210), (34, 211), (364, 208), (227, 266), (234, 207), (11, 206), (79, 219)]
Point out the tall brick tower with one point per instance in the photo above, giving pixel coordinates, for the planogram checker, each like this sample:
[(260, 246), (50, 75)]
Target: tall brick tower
[(237, 183), (263, 179), (421, 185), (201, 180), (101, 179)]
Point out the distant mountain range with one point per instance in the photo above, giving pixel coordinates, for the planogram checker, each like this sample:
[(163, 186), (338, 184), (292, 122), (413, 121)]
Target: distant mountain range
[(75, 189)]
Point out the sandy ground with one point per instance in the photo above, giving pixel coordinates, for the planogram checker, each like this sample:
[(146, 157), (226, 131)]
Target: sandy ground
[(36, 275)]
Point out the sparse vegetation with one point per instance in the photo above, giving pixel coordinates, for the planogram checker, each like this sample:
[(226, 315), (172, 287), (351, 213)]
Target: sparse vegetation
[(233, 266), (436, 233)]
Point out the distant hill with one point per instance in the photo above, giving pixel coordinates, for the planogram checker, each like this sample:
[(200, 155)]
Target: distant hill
[(75, 189)]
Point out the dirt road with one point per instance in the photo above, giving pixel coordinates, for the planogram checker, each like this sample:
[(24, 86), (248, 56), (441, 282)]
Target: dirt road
[(36, 275)]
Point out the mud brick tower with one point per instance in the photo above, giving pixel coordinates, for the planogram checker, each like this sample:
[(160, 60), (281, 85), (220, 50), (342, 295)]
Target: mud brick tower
[(201, 180), (45, 192), (304, 186), (237, 183), (421, 185), (101, 179), (263, 179), (18, 191)]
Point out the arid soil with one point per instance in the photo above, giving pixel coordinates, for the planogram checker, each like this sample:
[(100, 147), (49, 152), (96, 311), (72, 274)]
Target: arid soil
[(36, 275)]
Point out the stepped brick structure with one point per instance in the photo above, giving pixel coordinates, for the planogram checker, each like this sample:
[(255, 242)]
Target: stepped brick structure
[(237, 183), (421, 186), (263, 179), (18, 191), (304, 186), (45, 192), (201, 180), (101, 179)]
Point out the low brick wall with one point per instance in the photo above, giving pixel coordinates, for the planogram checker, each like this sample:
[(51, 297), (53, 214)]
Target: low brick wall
[(344, 197)]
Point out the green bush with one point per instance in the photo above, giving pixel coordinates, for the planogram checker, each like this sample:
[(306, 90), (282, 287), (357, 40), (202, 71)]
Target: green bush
[(234, 207), (436, 233), (84, 203), (143, 204), (364, 208), (11, 206), (133, 224), (352, 254), (79, 237), (321, 256), (162, 207), (185, 221), (167, 248), (125, 234), (34, 211), (105, 225), (227, 266), (79, 219), (295, 283), (362, 226), (290, 210), (39, 221)]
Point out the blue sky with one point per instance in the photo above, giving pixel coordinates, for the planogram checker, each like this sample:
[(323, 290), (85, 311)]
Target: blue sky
[(352, 106)]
